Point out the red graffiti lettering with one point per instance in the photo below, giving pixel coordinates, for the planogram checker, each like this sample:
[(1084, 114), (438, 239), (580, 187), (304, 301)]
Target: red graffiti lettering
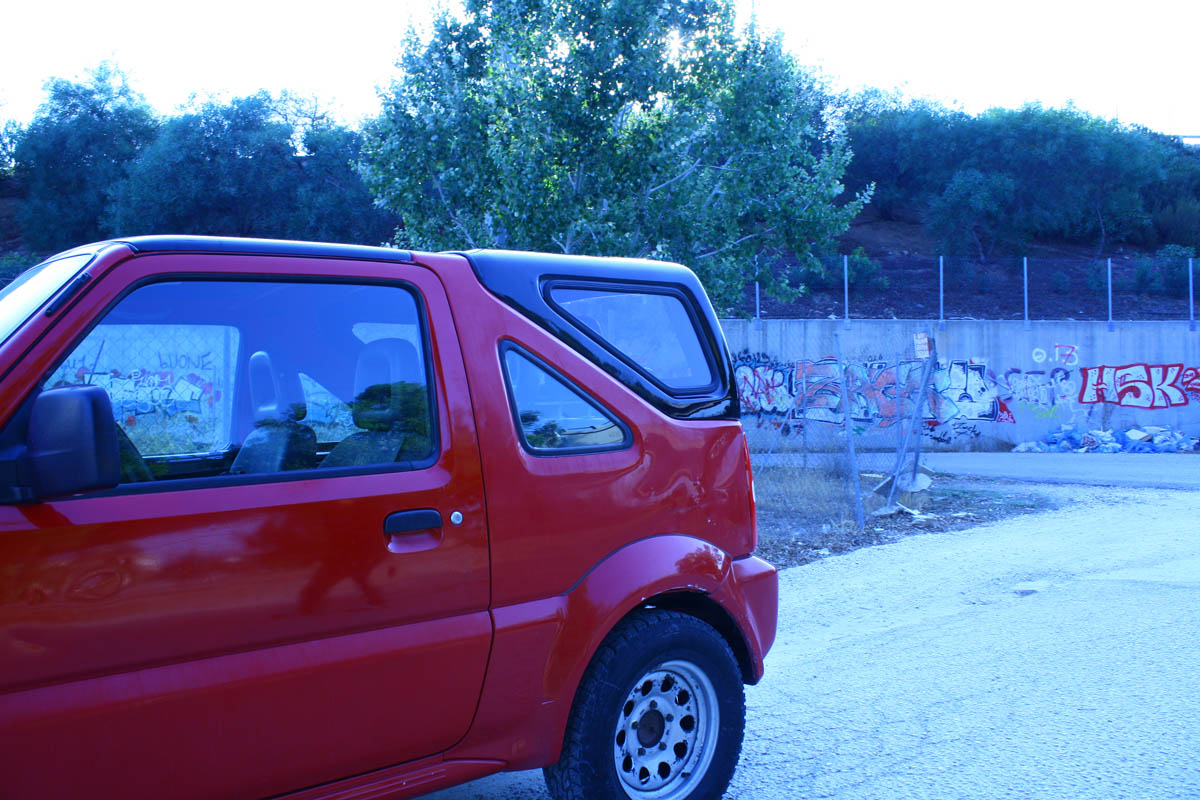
[(1135, 385)]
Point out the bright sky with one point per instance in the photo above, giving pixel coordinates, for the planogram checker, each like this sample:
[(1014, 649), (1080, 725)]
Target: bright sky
[(1136, 61)]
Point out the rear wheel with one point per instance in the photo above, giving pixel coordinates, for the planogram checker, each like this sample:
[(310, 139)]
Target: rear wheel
[(659, 715)]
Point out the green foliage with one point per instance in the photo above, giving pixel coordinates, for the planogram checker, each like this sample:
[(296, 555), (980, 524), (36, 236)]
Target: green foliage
[(333, 204), (973, 213), (1179, 221), (13, 264), (908, 151), (610, 126), (988, 184), (1174, 200), (1165, 272), (233, 170), (862, 272), (72, 154), (223, 170), (10, 133), (1171, 262), (1146, 277), (1060, 282)]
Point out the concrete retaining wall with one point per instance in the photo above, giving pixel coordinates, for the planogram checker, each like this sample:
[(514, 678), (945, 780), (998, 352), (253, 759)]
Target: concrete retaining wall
[(998, 383)]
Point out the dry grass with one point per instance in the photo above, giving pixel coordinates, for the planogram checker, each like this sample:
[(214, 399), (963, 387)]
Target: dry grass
[(805, 515)]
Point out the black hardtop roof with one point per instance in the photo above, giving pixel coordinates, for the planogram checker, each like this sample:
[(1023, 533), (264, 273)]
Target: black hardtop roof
[(614, 268)]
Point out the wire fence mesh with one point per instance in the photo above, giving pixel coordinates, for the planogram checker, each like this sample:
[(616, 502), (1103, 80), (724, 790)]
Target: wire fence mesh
[(829, 433), (911, 287)]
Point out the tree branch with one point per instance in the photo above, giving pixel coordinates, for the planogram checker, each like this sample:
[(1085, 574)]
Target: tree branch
[(678, 177), (732, 245), (437, 186)]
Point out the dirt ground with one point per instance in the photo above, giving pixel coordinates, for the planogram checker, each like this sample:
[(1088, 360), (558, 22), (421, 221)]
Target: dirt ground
[(788, 538)]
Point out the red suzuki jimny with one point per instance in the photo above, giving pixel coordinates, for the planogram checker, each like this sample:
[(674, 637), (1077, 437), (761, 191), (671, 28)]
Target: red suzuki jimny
[(283, 519)]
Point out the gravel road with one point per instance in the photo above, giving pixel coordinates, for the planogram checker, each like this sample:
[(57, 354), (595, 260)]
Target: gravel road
[(1047, 656)]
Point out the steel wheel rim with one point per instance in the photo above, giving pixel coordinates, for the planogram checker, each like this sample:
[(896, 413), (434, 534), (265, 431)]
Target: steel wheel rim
[(666, 732)]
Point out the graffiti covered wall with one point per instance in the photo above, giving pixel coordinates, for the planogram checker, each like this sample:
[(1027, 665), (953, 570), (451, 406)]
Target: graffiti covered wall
[(994, 384)]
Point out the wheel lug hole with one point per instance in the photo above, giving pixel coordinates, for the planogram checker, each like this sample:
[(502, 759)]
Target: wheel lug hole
[(670, 717), (633, 724), (653, 704), (662, 745), (641, 751)]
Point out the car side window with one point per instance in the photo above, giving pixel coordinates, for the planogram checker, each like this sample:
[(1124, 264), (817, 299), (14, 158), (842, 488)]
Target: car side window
[(553, 415), (211, 378), (652, 329)]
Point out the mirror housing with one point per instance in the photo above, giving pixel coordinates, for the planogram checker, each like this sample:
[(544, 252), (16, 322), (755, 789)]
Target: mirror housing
[(72, 443)]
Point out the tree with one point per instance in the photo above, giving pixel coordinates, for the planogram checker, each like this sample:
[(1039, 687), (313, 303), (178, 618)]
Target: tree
[(226, 170), (10, 133), (72, 154), (333, 204), (908, 150), (233, 169), (995, 181), (616, 127), (974, 212)]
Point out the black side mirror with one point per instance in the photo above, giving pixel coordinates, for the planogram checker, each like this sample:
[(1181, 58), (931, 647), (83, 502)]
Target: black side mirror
[(72, 442)]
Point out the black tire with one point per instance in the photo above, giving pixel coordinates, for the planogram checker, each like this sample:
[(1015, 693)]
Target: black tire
[(659, 715)]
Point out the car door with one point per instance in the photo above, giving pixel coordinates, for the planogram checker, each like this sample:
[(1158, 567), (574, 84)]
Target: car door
[(290, 586)]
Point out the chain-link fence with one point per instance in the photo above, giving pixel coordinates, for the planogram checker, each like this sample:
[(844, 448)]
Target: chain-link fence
[(940, 288), (834, 437)]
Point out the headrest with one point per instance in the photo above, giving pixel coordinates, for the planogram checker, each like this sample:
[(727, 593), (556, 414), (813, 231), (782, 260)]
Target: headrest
[(276, 397), (382, 364)]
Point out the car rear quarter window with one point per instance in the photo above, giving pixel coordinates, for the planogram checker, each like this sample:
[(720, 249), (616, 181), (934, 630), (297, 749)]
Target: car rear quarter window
[(552, 414), (655, 330)]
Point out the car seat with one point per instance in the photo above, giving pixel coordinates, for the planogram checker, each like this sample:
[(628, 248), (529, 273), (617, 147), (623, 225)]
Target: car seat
[(390, 405), (278, 442)]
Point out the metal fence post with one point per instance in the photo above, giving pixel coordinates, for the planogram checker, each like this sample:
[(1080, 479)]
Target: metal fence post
[(803, 413), (1025, 281), (846, 287), (1191, 299), (941, 295), (848, 429), (1110, 321)]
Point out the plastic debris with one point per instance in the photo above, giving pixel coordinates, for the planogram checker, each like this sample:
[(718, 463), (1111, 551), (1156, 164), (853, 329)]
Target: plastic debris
[(1146, 439)]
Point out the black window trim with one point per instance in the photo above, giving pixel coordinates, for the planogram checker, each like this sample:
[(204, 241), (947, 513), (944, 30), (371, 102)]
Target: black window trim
[(510, 345), (707, 348), (216, 481), (516, 278)]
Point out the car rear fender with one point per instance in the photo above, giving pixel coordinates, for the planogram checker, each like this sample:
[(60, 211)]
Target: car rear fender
[(542, 648)]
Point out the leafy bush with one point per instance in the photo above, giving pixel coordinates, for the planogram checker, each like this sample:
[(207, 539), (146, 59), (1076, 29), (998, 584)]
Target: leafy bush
[(864, 272), (13, 264), (1179, 221), (1172, 262), (1146, 278)]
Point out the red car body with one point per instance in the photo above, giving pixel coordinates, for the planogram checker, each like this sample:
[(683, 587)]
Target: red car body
[(260, 638)]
